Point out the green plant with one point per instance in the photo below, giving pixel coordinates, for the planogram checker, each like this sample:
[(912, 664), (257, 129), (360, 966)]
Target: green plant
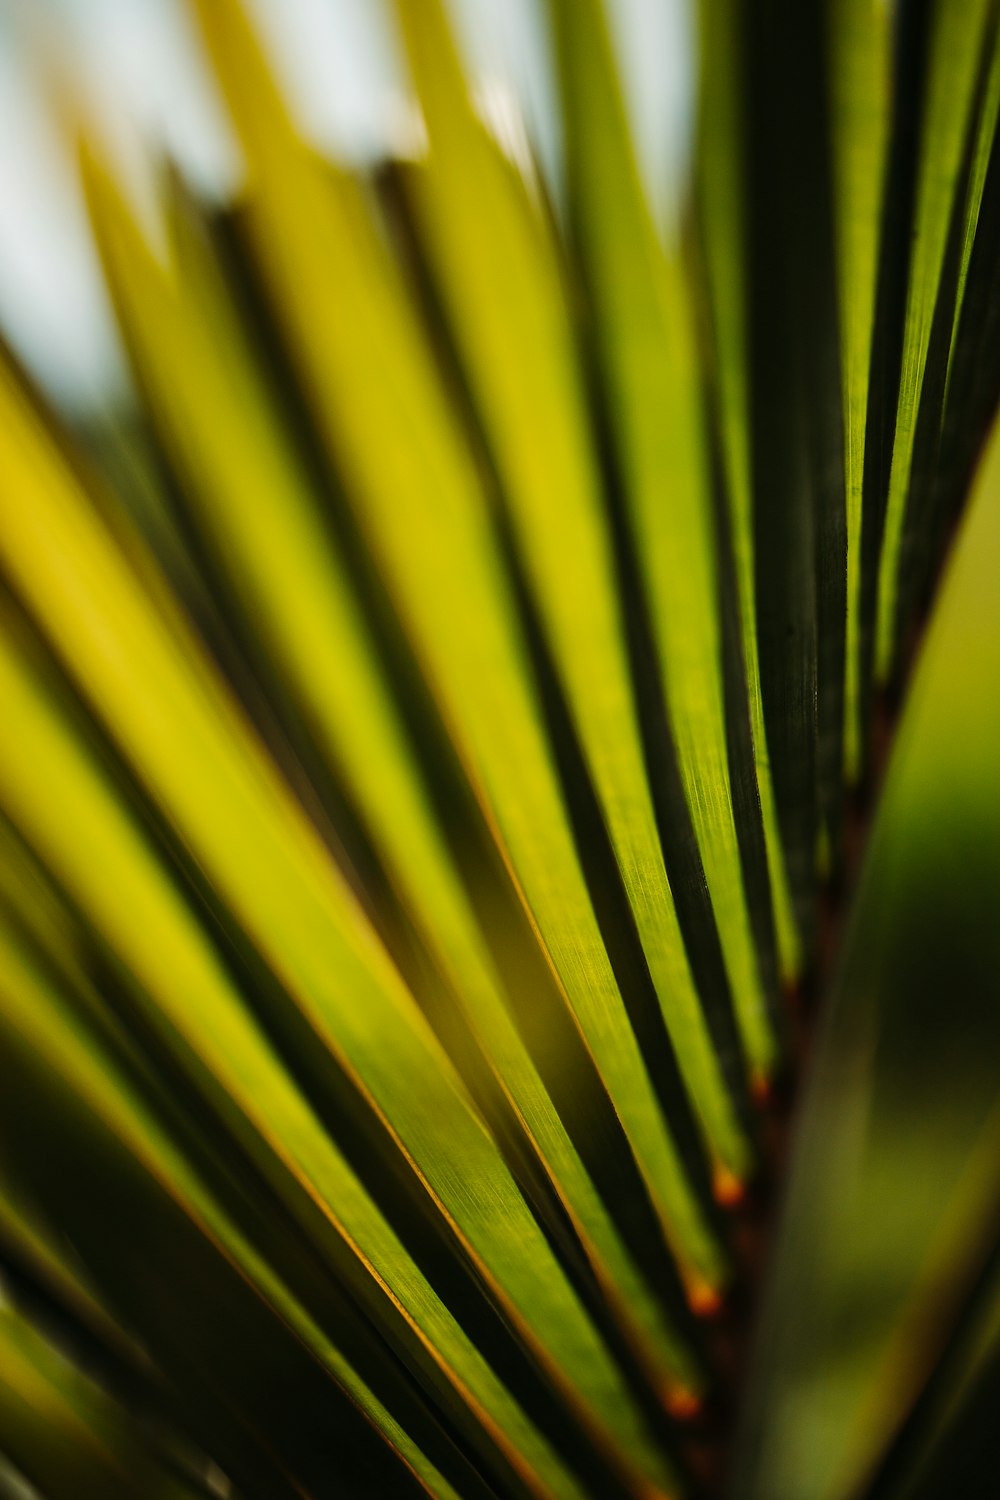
[(439, 745)]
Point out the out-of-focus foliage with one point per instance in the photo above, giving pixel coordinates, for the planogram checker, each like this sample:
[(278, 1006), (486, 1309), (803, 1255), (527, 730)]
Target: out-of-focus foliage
[(892, 1208), (438, 737)]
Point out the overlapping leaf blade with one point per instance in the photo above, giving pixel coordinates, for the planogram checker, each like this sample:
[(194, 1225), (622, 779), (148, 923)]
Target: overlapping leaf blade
[(402, 844)]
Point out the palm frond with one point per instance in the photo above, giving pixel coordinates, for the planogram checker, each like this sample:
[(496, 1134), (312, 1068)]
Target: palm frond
[(441, 740)]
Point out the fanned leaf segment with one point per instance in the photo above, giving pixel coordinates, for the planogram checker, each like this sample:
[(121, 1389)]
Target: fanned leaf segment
[(420, 780)]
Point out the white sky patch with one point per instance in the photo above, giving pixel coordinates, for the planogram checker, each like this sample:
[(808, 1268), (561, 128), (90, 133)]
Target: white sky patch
[(140, 67), (340, 67), (53, 307), (654, 43)]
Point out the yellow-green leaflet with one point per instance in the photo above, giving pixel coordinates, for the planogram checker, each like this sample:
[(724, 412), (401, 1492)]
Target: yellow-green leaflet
[(907, 1084), (17, 1229), (62, 1433), (197, 758), (721, 190), (501, 281), (261, 513), (415, 490), (33, 1007), (646, 333), (954, 58), (985, 132), (859, 39)]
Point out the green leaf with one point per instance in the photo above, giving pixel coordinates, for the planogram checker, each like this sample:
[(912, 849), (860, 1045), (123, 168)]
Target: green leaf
[(256, 503), (348, 319), (860, 97), (650, 379), (955, 48), (893, 1189), (347, 1015)]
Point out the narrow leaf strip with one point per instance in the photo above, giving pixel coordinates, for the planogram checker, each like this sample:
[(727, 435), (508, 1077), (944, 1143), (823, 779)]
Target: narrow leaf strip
[(938, 486), (63, 1433), (501, 282), (378, 401), (260, 515), (860, 62), (35, 1014), (646, 334), (720, 190), (954, 58), (199, 762)]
